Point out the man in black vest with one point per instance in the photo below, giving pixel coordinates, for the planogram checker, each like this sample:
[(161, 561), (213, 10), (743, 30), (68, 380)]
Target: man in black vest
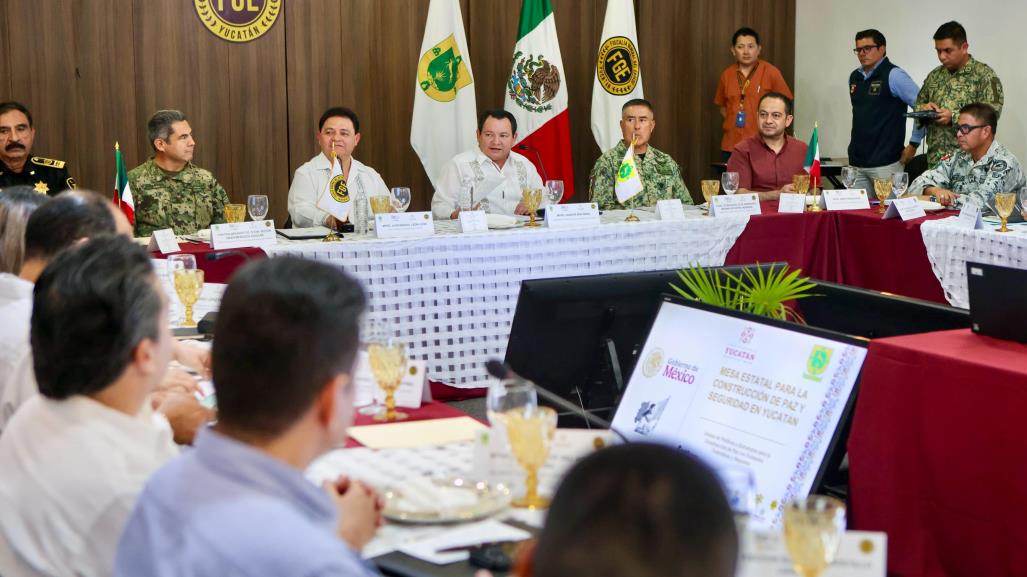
[(880, 93)]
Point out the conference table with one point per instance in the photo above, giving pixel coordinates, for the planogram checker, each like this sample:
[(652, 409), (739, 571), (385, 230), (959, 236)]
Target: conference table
[(936, 455)]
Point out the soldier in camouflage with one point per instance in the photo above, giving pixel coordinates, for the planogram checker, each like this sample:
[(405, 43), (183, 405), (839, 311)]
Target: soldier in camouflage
[(170, 191), (980, 168), (959, 80), (661, 177)]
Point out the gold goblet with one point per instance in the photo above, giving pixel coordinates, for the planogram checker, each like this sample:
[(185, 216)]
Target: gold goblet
[(710, 188), (882, 188), (380, 204), (388, 362), (188, 286), (1005, 202), (530, 431), (532, 199), (235, 212), (813, 529)]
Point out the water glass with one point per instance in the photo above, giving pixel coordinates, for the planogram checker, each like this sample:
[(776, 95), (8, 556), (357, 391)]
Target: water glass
[(257, 206), (729, 182), (849, 175), (554, 191), (401, 198), (899, 183)]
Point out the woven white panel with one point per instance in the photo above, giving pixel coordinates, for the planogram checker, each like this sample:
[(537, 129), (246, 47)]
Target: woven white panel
[(452, 296), (949, 248)]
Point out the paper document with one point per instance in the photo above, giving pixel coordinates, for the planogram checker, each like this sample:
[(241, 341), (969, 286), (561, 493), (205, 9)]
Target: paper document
[(417, 433)]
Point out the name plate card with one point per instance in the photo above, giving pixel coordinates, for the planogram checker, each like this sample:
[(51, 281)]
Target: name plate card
[(575, 214), (403, 224), (792, 202), (905, 208), (258, 233), (970, 217), (846, 199), (164, 241), (412, 391), (735, 204), (860, 554), (670, 209), (473, 221)]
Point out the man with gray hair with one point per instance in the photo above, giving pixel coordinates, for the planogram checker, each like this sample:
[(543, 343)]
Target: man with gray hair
[(169, 190)]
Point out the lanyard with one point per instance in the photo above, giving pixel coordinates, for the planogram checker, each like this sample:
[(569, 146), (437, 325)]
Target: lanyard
[(743, 86)]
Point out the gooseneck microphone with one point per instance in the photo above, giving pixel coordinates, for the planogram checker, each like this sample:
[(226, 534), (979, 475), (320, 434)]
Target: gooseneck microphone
[(217, 255), (538, 157)]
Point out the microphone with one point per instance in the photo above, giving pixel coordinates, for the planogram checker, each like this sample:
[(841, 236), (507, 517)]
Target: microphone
[(538, 157), (502, 371), (217, 255)]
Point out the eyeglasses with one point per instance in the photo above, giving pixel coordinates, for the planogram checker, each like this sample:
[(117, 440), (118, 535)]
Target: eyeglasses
[(866, 48), (964, 129)]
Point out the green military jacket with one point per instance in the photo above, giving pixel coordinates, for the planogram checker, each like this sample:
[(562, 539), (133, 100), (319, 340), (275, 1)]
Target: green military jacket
[(974, 82), (661, 179), (186, 201), (977, 182)]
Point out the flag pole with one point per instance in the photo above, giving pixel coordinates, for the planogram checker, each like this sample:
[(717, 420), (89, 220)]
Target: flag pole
[(117, 174)]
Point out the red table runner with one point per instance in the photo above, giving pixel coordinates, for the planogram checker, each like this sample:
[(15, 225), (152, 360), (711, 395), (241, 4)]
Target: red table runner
[(220, 269)]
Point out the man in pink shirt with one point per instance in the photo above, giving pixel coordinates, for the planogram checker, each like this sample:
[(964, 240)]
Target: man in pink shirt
[(766, 162)]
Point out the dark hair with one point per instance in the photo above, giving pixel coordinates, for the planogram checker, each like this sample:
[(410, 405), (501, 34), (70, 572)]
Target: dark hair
[(874, 35), (638, 102), (286, 327), (744, 31), (498, 115), (92, 307), (10, 105), (71, 216), (983, 113), (343, 112), (159, 126), (638, 509), (779, 96), (17, 203), (953, 30)]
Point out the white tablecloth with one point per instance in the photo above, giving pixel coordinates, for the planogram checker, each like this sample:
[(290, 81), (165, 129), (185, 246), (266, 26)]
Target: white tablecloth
[(452, 296), (949, 248)]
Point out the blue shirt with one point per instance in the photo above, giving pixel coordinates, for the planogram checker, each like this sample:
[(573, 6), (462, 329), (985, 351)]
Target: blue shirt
[(228, 509), (902, 86)]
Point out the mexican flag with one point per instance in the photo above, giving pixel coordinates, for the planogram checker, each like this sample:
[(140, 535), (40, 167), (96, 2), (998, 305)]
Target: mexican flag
[(812, 164), (122, 191), (537, 95)]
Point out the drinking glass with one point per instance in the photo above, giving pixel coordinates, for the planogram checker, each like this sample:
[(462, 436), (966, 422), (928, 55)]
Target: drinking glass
[(532, 199), (899, 183), (800, 182), (710, 188), (380, 203), (507, 395), (531, 432), (401, 198), (388, 359), (849, 175), (1004, 204), (729, 182), (882, 188), (188, 283), (554, 191), (257, 206), (235, 212), (813, 529)]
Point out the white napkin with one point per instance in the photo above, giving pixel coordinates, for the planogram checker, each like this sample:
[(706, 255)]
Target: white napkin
[(500, 220)]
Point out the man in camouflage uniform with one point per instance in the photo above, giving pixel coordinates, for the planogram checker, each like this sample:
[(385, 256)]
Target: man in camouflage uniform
[(17, 165), (169, 190), (661, 177), (978, 170), (959, 80)]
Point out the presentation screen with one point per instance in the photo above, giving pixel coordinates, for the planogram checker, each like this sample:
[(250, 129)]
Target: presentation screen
[(743, 392)]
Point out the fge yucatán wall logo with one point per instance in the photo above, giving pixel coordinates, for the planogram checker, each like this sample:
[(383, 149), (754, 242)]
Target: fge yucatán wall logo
[(238, 20)]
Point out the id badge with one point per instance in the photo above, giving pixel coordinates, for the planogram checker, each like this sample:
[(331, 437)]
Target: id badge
[(740, 119)]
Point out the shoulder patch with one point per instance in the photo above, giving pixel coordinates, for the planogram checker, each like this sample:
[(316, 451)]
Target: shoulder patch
[(47, 162), (999, 166)]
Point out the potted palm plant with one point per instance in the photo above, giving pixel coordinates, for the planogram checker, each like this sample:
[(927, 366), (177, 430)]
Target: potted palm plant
[(766, 293)]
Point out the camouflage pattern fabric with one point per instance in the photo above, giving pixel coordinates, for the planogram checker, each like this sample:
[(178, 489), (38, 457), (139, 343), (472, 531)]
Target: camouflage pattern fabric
[(661, 179), (974, 82), (186, 201), (977, 182)]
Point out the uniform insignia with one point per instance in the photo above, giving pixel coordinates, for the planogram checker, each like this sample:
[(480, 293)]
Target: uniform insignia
[(47, 162), (338, 189), (71, 183), (852, 89), (441, 72), (875, 88), (999, 166), (41, 187)]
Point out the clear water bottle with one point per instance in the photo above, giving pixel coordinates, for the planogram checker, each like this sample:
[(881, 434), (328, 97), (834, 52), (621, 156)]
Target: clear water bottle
[(359, 211)]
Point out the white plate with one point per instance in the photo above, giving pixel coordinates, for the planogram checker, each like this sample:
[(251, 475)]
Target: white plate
[(469, 500)]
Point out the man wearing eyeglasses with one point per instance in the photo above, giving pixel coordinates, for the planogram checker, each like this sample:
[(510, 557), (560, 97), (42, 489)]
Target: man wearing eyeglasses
[(980, 168), (959, 80), (880, 93)]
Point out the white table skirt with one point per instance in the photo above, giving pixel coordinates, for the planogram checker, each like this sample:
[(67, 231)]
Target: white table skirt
[(452, 296), (949, 248)]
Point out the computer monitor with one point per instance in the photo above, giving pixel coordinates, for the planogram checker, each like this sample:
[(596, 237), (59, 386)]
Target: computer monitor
[(998, 302)]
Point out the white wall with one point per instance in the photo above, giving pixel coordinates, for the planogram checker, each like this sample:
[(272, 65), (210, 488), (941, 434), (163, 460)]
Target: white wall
[(825, 32)]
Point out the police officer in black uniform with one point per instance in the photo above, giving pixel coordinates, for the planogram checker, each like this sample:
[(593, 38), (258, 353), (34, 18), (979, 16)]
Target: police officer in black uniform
[(17, 166)]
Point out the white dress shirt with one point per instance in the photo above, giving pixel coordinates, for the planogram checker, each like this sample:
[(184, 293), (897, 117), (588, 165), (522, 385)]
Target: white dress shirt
[(15, 348), (502, 186), (71, 472), (311, 180)]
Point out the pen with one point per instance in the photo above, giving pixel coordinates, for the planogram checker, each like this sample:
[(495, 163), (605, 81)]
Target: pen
[(459, 548)]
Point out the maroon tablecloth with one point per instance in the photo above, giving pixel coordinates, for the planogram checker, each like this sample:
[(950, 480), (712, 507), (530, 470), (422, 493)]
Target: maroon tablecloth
[(220, 268), (853, 247), (937, 458)]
